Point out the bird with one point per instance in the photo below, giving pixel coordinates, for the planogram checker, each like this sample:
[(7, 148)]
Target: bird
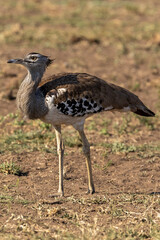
[(68, 99)]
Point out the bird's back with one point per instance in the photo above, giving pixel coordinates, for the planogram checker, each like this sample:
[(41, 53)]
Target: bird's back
[(79, 94)]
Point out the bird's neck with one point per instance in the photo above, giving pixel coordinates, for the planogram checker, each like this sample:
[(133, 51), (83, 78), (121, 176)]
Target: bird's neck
[(29, 100)]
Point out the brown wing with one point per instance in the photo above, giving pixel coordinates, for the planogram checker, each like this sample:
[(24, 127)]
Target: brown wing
[(82, 85)]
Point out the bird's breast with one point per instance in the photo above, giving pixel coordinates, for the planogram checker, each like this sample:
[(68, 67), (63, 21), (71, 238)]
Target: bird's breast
[(67, 111)]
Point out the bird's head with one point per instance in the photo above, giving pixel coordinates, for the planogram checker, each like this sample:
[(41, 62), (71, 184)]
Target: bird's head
[(33, 61)]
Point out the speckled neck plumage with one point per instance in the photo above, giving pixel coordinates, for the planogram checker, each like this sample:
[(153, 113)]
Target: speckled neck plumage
[(29, 99)]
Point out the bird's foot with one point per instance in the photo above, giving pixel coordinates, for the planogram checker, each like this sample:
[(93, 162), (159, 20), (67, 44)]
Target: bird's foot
[(91, 190), (58, 194)]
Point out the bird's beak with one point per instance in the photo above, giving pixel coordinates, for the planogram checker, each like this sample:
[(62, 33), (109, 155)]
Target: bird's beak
[(17, 61)]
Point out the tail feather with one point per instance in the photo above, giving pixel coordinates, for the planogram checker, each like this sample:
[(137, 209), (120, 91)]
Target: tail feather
[(127, 101), (145, 112)]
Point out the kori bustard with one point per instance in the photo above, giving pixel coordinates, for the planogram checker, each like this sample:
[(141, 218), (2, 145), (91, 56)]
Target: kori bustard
[(69, 99)]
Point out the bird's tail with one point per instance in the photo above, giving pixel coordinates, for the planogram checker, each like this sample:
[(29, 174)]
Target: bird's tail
[(124, 100), (144, 111), (137, 106)]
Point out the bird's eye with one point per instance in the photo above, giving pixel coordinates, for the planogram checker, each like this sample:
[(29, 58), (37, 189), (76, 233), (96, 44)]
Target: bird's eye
[(34, 58)]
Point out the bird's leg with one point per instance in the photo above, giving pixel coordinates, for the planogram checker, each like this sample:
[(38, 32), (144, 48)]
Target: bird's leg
[(60, 152), (86, 151)]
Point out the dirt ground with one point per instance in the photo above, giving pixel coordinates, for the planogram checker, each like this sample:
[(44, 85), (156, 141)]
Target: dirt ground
[(125, 148)]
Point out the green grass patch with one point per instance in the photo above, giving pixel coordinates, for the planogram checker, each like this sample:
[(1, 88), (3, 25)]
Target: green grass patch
[(10, 199), (10, 168), (120, 147), (18, 135), (150, 123), (72, 141), (20, 141)]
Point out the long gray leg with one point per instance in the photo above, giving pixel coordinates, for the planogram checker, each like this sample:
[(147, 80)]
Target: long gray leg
[(60, 152), (86, 151)]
